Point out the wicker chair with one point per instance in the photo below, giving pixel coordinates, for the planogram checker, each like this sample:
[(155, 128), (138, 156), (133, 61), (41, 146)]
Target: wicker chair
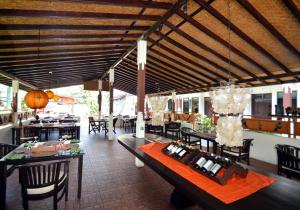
[(288, 160), (43, 181)]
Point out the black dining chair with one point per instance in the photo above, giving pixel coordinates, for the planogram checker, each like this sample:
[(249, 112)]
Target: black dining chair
[(93, 126), (4, 150), (107, 126), (69, 131), (238, 153), (26, 134), (173, 128), (156, 129), (42, 181), (288, 161), (187, 136)]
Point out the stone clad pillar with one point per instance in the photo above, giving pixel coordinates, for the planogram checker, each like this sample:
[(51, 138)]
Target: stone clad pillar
[(111, 105)]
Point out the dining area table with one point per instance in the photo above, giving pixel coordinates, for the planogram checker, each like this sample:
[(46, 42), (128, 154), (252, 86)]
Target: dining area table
[(33, 152), (16, 131)]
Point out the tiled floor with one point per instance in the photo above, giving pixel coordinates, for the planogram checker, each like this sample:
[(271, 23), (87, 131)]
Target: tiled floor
[(110, 181)]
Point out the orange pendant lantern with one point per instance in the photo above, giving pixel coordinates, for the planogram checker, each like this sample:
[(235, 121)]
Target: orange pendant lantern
[(50, 94), (56, 98), (36, 99)]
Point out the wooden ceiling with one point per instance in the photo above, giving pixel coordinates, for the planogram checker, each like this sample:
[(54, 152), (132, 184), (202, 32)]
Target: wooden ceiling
[(79, 40)]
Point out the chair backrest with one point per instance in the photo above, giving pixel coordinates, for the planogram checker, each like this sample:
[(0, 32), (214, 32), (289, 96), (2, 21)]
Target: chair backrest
[(91, 118), (288, 156), (35, 122), (132, 121), (6, 148), (43, 175), (246, 145), (67, 131), (174, 125)]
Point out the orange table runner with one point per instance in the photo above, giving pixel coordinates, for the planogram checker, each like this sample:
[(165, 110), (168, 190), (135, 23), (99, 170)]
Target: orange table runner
[(235, 189)]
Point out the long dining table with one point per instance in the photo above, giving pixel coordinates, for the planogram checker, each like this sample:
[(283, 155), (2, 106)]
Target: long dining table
[(16, 130), (283, 194), (28, 158)]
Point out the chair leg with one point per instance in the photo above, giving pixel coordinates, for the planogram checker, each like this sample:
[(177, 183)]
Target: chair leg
[(25, 204), (55, 202)]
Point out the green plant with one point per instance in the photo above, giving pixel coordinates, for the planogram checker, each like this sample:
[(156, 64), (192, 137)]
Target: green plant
[(206, 121)]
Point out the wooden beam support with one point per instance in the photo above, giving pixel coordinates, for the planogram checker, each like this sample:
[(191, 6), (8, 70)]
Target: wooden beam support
[(293, 8), (15, 60), (72, 14), (262, 20), (240, 33), (62, 51), (68, 36), (125, 3), (12, 77), (71, 27), (52, 44)]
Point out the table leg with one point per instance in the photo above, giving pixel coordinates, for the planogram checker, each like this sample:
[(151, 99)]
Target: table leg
[(105, 128), (89, 127), (180, 200), (78, 132), (13, 131), (80, 164), (3, 174), (215, 147)]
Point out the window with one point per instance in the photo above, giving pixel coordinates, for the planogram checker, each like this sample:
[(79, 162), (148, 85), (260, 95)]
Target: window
[(186, 105), (279, 108), (208, 110), (294, 99), (261, 104), (5, 97), (195, 104), (170, 105)]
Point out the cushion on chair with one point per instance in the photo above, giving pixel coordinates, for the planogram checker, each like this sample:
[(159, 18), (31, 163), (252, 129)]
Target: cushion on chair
[(42, 190)]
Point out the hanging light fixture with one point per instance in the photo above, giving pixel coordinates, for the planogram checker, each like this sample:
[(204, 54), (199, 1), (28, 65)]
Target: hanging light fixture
[(56, 98), (36, 99), (50, 92), (229, 101)]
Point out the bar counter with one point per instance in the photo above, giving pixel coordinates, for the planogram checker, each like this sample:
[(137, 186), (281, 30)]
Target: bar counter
[(281, 195)]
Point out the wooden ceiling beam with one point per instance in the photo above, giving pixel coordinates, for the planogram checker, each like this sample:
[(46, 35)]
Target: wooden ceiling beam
[(241, 34), (148, 32), (52, 44), (66, 70), (71, 27), (72, 14), (60, 51), (293, 8), (263, 21), (166, 75), (68, 36), (210, 50), (214, 36), (58, 65), (59, 56), (125, 3), (156, 65), (178, 55), (37, 59), (151, 74), (59, 68), (198, 56), (37, 63)]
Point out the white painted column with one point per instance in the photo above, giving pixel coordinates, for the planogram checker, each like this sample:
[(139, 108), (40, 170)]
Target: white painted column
[(111, 82), (15, 90)]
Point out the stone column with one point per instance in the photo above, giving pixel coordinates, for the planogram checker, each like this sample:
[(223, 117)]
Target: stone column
[(99, 98), (15, 90), (111, 99)]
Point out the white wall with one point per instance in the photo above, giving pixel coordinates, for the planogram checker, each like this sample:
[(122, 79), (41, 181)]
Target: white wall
[(264, 145)]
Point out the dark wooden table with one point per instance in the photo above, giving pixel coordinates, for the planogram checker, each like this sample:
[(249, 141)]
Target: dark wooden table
[(16, 129), (4, 169), (284, 194)]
